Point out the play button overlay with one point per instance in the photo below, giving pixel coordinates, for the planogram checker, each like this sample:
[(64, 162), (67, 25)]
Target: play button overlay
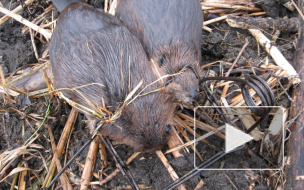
[(222, 138), (235, 138)]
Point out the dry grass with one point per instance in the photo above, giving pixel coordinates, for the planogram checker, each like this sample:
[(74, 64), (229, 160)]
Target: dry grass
[(185, 127)]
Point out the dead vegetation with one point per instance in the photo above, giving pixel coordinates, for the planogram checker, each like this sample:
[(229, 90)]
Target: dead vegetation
[(189, 135)]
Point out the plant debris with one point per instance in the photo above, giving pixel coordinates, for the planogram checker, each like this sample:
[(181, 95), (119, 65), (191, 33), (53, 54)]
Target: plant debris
[(40, 132)]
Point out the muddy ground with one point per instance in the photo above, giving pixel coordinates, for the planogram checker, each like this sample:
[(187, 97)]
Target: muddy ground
[(223, 43)]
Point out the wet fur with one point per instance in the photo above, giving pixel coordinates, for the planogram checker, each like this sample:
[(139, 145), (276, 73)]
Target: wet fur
[(89, 46), (167, 29)]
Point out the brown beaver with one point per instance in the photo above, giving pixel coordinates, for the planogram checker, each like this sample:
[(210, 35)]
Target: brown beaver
[(170, 32), (91, 51)]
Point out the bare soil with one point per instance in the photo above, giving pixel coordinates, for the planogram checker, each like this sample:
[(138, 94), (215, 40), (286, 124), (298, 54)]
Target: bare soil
[(223, 43)]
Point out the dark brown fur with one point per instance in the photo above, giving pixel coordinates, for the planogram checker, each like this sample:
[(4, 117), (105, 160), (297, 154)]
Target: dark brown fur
[(170, 32), (89, 46)]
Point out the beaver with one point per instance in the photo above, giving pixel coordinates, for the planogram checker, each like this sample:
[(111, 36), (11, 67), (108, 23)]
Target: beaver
[(170, 32), (95, 61), (36, 81)]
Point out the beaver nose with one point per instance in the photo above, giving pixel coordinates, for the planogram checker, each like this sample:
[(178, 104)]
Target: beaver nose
[(193, 94)]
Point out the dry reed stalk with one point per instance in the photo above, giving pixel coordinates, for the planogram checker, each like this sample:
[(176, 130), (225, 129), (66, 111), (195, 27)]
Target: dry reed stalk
[(220, 12), (298, 9), (277, 121), (106, 2), (22, 182), (226, 87), (199, 138), (65, 183), (201, 125), (238, 57), (103, 154), (178, 120), (207, 29), (226, 110), (212, 63), (15, 179), (248, 121), (47, 81), (275, 53), (230, 181), (238, 99), (116, 171), (34, 69), (169, 168), (39, 93), (174, 141), (8, 157), (184, 134), (89, 164), (172, 149), (47, 34), (82, 166), (16, 10), (199, 185), (223, 83), (12, 90), (2, 75), (5, 90), (256, 14), (214, 20), (229, 6), (112, 9), (33, 44), (61, 144), (225, 90), (39, 17), (232, 2)]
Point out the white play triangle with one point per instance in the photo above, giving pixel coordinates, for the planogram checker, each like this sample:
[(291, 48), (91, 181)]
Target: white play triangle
[(235, 138)]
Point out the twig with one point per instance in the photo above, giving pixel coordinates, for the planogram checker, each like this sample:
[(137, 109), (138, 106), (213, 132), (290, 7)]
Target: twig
[(65, 183), (103, 154), (188, 140), (198, 138), (298, 9), (238, 57), (106, 2), (89, 164), (214, 20), (33, 44), (22, 182), (16, 10), (175, 141), (171, 171), (61, 144), (277, 56), (230, 181), (207, 28), (227, 6), (201, 125), (22, 20), (113, 7), (14, 182), (116, 171), (39, 18), (44, 119), (199, 185)]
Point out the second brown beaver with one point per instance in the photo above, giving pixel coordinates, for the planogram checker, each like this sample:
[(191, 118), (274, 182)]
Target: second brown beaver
[(96, 61), (170, 32)]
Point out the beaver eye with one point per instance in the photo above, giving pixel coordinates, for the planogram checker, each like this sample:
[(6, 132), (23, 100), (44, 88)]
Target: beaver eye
[(168, 129), (161, 61)]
